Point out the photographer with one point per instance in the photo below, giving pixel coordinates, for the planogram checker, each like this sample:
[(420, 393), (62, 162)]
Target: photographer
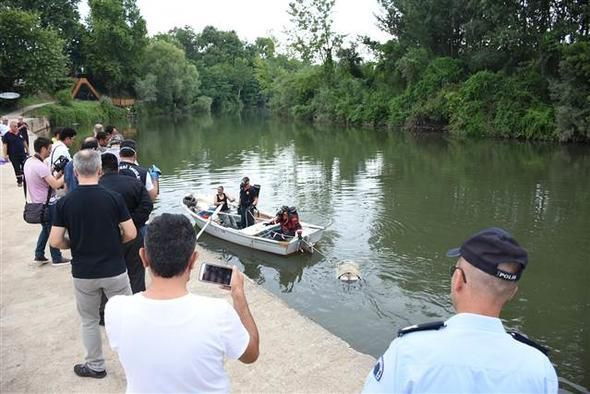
[(38, 182), (62, 146), (188, 336)]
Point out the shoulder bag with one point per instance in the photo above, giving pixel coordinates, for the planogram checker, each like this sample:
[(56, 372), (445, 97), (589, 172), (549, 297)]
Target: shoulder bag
[(36, 212)]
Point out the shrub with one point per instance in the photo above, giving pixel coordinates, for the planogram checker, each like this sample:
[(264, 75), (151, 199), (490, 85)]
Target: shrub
[(64, 97), (495, 105), (203, 105)]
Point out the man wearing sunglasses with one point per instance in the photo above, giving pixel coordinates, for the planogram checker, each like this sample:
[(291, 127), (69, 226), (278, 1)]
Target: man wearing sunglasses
[(471, 351)]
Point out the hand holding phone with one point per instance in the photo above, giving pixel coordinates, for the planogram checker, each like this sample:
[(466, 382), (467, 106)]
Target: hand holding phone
[(237, 283), (213, 273)]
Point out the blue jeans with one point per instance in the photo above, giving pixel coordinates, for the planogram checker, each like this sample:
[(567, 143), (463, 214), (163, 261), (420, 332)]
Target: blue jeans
[(44, 236)]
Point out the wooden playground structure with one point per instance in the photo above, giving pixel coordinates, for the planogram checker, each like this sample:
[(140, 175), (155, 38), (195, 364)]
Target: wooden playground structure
[(83, 90)]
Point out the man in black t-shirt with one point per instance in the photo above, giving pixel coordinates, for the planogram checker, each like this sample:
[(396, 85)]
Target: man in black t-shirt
[(15, 149), (23, 129), (98, 223)]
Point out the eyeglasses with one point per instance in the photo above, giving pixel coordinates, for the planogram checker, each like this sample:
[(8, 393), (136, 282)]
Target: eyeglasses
[(454, 267)]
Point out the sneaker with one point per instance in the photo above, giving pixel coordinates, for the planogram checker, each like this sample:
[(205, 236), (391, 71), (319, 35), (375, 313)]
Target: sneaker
[(60, 263), (84, 371), (41, 259)]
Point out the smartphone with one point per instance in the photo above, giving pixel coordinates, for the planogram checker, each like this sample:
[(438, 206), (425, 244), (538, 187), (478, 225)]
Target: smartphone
[(213, 273)]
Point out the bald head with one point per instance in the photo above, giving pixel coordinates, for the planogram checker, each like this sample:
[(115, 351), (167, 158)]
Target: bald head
[(480, 292)]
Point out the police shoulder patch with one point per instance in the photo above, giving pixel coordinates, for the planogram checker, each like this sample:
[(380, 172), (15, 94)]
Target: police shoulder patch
[(378, 369), (527, 341), (437, 325)]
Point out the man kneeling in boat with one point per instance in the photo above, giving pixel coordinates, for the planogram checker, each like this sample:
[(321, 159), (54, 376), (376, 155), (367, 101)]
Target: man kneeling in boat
[(289, 221)]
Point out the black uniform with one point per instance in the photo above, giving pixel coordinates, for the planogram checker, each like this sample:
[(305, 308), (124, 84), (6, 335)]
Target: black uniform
[(140, 206), (246, 206), (131, 169)]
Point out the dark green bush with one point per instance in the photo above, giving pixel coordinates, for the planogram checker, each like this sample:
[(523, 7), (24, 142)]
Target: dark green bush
[(64, 97), (82, 114), (496, 105)]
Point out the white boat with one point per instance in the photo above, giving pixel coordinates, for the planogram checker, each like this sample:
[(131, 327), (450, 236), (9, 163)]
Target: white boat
[(256, 236)]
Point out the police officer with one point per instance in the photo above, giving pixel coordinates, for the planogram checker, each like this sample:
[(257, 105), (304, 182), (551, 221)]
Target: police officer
[(248, 201), (471, 351), (140, 206), (128, 166)]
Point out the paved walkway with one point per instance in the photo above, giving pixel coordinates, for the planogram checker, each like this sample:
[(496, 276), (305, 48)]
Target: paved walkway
[(41, 341), (18, 112)]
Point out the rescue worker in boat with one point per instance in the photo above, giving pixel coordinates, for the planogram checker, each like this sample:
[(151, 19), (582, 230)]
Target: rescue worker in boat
[(226, 217), (289, 221), (248, 201)]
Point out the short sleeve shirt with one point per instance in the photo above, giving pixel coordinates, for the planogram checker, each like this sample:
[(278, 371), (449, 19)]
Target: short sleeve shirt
[(187, 337), (472, 354), (59, 149), (92, 215), (35, 173), (15, 144)]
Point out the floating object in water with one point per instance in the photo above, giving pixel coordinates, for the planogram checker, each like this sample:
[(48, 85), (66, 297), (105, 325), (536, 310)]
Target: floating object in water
[(348, 271), (9, 95)]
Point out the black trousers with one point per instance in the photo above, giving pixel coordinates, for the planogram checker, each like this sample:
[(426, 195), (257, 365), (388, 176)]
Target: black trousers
[(246, 216), (135, 268), (18, 164)]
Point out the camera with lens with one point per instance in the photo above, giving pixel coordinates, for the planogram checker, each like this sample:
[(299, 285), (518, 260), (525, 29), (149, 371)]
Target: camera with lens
[(60, 163)]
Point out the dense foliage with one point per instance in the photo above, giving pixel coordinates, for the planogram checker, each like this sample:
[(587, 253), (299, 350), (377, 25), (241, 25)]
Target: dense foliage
[(31, 56), (115, 44), (169, 81), (82, 114), (468, 67)]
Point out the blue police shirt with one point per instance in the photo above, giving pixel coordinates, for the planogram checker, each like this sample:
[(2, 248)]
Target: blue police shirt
[(473, 353)]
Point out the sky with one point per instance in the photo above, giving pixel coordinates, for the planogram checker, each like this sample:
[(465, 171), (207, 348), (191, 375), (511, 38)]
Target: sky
[(251, 18)]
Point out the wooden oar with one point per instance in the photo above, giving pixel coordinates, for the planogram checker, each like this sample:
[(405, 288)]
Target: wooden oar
[(209, 221)]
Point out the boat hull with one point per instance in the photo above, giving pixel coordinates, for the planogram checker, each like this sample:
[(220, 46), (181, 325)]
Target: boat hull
[(248, 237)]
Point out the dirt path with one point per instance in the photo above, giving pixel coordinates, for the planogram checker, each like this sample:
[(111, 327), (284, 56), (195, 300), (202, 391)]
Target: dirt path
[(41, 341)]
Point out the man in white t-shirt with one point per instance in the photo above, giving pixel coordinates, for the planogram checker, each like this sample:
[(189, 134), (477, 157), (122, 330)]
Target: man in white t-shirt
[(169, 340), (62, 146)]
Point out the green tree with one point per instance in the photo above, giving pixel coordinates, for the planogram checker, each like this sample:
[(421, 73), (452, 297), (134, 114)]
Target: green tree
[(312, 35), (116, 42), (265, 47), (61, 16), (31, 56), (169, 81), (226, 66), (436, 25), (571, 93)]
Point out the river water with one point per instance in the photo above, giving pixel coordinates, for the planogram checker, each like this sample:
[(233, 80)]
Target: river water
[(394, 203)]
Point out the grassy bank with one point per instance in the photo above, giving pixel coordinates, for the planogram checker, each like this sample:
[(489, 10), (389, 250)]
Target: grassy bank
[(68, 113)]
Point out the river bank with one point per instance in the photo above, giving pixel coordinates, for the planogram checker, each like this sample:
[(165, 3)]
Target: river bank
[(41, 341)]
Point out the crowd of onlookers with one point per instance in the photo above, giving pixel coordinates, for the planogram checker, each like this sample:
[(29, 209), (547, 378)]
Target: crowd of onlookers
[(169, 340)]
